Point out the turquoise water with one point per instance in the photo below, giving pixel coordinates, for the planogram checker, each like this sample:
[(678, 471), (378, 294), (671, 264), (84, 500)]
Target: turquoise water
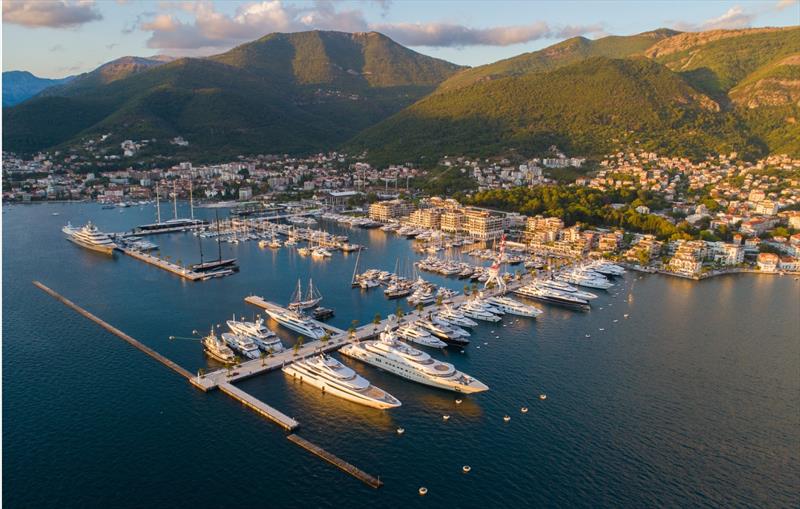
[(692, 400)]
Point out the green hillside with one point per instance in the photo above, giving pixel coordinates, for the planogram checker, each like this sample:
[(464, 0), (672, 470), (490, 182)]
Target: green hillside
[(581, 108), (564, 53), (282, 93), (715, 62)]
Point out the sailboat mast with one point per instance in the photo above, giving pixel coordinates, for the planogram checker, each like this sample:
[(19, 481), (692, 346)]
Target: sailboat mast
[(158, 206), (175, 199), (355, 269), (219, 242), (191, 200)]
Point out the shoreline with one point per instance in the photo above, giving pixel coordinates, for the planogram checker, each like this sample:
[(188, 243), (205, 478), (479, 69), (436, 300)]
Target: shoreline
[(707, 275)]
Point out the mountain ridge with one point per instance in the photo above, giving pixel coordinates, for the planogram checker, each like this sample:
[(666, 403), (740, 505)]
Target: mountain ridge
[(308, 91)]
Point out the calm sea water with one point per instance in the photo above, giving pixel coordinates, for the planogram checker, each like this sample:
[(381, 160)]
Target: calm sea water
[(692, 400)]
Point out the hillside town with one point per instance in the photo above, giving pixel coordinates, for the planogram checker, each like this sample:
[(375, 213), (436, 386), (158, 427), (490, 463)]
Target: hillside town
[(755, 204)]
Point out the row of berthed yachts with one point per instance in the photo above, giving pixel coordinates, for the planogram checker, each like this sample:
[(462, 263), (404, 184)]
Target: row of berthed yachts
[(447, 325), (392, 351)]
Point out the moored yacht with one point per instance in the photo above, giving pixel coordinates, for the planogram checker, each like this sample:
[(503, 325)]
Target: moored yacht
[(514, 307), (264, 338), (90, 237), (333, 377), (477, 312), (297, 322), (242, 344), (456, 317), (217, 349), (443, 332), (403, 360), (552, 296), (564, 287), (419, 336)]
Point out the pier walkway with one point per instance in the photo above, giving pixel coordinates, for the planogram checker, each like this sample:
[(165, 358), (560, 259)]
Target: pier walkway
[(164, 265), (336, 461), (259, 406)]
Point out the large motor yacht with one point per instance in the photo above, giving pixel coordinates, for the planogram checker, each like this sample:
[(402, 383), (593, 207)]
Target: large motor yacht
[(297, 322), (419, 336), (217, 349), (564, 287), (552, 296), (264, 338), (514, 307), (333, 377), (90, 237), (403, 360), (476, 311), (242, 344)]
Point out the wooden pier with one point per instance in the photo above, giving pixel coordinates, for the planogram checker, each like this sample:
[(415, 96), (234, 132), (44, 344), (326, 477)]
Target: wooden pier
[(259, 407), (165, 265), (336, 461)]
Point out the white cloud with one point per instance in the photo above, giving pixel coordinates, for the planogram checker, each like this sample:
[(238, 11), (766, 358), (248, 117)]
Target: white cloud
[(783, 4), (735, 17), (50, 14), (210, 30), (453, 35)]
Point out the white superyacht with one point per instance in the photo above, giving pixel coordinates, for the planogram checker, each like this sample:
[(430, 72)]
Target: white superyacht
[(333, 377), (264, 338), (396, 357), (90, 237), (297, 322)]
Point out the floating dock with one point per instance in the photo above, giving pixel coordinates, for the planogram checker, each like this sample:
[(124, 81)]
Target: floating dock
[(336, 461), (259, 407), (165, 265)]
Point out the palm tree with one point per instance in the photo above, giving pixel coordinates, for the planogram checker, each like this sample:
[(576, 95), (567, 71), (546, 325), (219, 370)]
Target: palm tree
[(299, 344), (229, 368), (270, 351), (420, 307), (237, 360), (263, 356), (399, 313), (466, 290), (201, 373), (325, 339), (474, 287), (439, 300), (296, 348)]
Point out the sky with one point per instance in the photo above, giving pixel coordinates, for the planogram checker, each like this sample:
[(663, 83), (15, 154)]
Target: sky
[(56, 38)]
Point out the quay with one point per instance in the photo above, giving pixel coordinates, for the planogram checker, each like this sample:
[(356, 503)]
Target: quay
[(336, 461), (164, 265)]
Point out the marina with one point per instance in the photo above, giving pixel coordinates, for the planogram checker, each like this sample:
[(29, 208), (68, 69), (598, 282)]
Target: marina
[(533, 350)]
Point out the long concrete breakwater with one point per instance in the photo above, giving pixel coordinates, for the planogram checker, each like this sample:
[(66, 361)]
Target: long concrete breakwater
[(146, 349)]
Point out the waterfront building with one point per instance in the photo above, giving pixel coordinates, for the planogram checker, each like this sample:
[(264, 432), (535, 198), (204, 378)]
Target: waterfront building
[(483, 224), (452, 221), (388, 210), (426, 218), (768, 262)]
